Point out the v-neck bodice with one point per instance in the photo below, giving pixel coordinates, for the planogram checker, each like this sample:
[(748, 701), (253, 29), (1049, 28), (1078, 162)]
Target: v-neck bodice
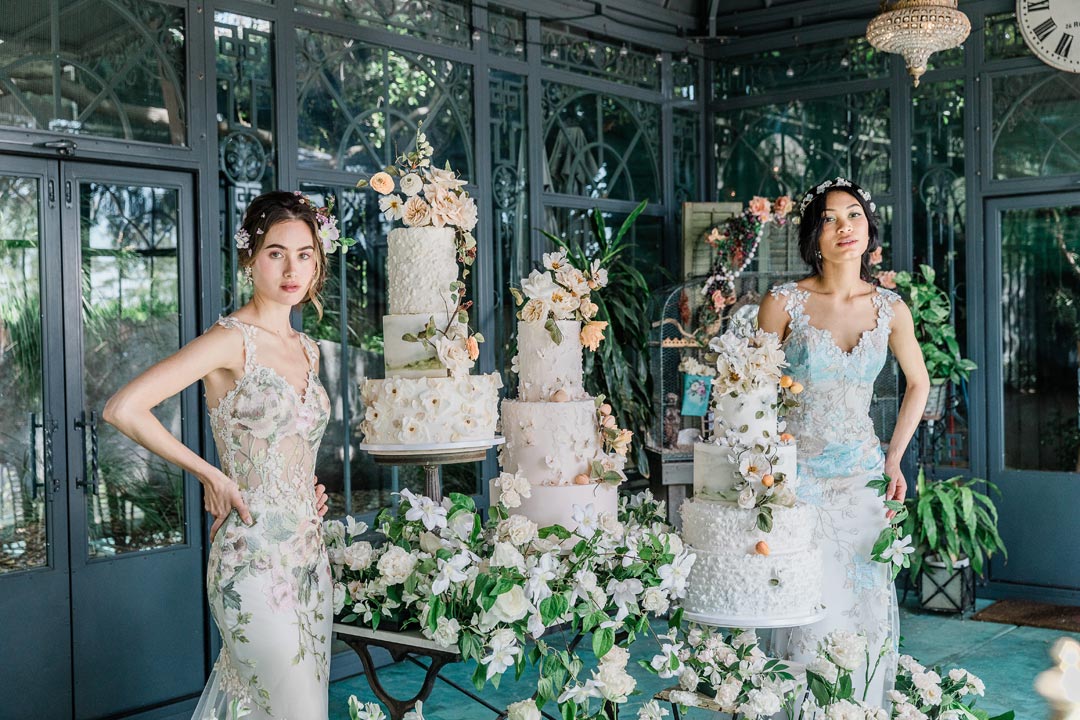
[(838, 385), (265, 429)]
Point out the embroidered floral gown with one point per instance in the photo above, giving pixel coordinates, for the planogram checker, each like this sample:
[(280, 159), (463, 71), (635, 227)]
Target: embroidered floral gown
[(269, 584), (838, 454)]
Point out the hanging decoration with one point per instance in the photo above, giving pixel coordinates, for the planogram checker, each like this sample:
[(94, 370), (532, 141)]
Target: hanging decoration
[(916, 29)]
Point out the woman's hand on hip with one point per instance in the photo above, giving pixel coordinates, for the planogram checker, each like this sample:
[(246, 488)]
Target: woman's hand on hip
[(221, 496), (897, 489), (320, 498)]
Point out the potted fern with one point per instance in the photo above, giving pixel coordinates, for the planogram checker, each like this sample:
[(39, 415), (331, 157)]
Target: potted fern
[(953, 527), (931, 310)]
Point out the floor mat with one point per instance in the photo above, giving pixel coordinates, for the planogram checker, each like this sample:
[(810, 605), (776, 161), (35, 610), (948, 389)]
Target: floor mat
[(1032, 614)]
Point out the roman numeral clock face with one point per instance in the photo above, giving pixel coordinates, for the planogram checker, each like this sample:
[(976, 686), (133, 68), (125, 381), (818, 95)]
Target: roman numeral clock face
[(1051, 29)]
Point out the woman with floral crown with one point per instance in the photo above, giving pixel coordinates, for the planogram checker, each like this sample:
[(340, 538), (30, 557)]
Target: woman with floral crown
[(837, 327), (268, 577)]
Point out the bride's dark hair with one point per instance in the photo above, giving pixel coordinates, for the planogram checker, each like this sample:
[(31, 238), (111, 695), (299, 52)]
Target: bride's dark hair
[(812, 220)]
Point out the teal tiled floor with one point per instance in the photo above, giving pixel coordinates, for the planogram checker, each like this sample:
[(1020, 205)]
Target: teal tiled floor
[(1006, 657)]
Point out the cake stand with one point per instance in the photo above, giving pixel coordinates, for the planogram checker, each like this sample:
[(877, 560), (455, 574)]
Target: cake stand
[(431, 457), (759, 623)]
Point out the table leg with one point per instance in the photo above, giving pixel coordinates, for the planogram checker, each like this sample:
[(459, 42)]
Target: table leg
[(397, 707)]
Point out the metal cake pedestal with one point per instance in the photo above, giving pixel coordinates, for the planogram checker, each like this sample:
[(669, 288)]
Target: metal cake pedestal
[(432, 457)]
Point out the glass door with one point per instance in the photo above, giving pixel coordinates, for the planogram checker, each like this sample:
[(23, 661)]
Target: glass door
[(1033, 376), (136, 560), (101, 574), (34, 598)]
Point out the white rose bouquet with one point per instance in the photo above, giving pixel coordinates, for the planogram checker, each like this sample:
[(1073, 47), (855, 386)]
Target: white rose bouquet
[(486, 588)]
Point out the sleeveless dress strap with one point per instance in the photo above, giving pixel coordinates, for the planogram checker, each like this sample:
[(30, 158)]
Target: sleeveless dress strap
[(794, 300), (248, 333), (885, 299), (310, 349)]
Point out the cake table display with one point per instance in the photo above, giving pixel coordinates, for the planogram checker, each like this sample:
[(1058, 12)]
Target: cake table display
[(757, 563), (428, 410)]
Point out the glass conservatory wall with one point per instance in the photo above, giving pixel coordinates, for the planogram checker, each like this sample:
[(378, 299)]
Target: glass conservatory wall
[(359, 95)]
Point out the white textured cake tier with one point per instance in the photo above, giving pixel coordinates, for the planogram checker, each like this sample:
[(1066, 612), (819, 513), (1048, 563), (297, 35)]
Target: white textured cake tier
[(421, 263), (411, 359), (554, 504), (413, 411), (544, 366), (752, 414), (550, 443), (725, 527), (739, 582), (715, 473)]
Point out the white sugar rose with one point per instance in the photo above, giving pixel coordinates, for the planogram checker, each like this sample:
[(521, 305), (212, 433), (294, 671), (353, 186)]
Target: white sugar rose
[(655, 601), (747, 499), (518, 529), (538, 286), (727, 695), (844, 710), (454, 356), (446, 632), (760, 703), (506, 555), (823, 668), (411, 184), (523, 710), (688, 679), (396, 565), (616, 683), (358, 556), (509, 607), (846, 649)]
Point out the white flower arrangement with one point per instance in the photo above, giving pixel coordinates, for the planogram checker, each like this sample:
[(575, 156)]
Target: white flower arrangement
[(435, 198), (563, 291), (731, 670), (747, 361), (485, 588)]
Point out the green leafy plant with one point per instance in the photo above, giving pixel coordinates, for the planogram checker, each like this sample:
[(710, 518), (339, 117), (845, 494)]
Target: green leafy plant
[(931, 309), (951, 519), (619, 369)]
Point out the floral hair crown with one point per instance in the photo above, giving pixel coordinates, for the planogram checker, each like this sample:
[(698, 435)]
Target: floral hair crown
[(837, 183), (329, 234)]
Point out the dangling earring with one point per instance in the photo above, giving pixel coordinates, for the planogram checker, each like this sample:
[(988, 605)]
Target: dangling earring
[(818, 256), (247, 273)]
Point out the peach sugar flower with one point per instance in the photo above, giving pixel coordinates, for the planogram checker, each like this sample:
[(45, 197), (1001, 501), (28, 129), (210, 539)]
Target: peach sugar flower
[(760, 207), (783, 205), (593, 333), (472, 347), (382, 183)]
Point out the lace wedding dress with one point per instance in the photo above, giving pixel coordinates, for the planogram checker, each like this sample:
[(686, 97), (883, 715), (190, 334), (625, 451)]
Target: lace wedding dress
[(269, 584), (838, 454)]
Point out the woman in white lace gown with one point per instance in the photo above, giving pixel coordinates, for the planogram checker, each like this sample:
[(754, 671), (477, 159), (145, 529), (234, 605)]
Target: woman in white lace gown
[(837, 327), (268, 577)]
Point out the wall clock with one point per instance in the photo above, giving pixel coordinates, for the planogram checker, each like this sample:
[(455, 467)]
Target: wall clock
[(1051, 28)]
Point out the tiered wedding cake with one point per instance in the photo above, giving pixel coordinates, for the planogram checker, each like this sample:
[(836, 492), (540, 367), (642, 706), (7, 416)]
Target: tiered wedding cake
[(428, 395), (563, 448), (757, 561)]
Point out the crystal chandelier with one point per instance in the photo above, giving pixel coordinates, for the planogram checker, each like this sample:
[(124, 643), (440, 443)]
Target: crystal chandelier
[(916, 29)]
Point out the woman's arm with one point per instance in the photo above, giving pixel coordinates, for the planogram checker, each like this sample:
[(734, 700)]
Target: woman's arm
[(772, 317), (129, 411), (908, 353)]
